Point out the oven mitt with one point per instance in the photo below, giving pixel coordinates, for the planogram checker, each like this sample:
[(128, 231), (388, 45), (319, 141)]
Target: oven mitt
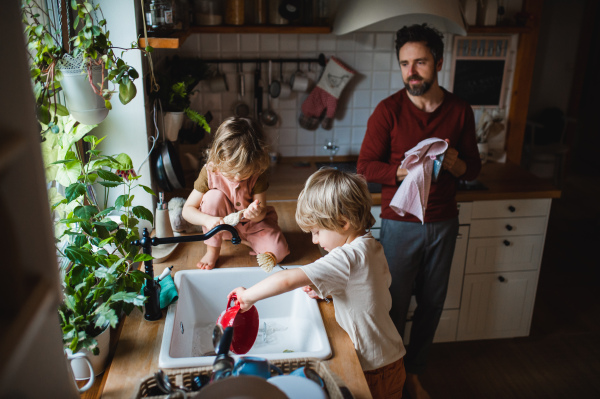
[(325, 95)]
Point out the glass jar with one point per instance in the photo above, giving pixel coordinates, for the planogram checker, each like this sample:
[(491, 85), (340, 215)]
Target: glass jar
[(234, 12), (208, 12)]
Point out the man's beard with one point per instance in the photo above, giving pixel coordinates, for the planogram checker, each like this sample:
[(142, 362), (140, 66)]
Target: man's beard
[(419, 89)]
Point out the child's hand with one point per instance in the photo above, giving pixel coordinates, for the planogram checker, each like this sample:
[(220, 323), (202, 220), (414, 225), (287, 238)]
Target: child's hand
[(253, 211), (245, 304), (310, 292), (214, 221)]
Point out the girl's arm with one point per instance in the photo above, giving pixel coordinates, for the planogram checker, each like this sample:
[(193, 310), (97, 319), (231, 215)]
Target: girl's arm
[(191, 212), (279, 283), (257, 210)]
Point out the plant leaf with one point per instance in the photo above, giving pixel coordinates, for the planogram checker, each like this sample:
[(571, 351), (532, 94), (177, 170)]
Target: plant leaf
[(74, 191), (85, 212), (142, 257), (148, 190), (143, 213), (110, 176), (127, 92)]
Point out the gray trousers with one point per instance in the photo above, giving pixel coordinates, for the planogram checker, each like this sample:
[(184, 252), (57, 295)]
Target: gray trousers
[(419, 258)]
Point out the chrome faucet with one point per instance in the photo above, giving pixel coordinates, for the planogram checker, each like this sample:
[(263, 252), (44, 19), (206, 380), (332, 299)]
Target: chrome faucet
[(332, 148), (152, 288)]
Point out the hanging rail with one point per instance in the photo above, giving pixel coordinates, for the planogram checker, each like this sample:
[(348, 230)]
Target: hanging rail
[(321, 60)]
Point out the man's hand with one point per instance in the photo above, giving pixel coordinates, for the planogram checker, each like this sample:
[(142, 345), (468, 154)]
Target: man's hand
[(456, 166), (401, 174)]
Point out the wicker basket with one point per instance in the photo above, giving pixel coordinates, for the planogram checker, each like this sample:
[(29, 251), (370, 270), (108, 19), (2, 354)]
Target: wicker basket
[(336, 389)]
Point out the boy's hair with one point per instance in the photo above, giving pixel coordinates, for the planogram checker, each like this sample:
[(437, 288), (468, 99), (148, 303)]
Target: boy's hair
[(239, 146), (330, 198), (421, 33)]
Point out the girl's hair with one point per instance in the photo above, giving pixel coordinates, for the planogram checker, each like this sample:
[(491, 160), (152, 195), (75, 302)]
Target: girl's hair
[(239, 147), (330, 198)]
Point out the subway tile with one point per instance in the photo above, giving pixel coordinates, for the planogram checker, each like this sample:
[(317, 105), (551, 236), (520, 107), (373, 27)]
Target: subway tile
[(288, 43), (326, 43), (342, 135), (360, 118), (289, 118), (358, 134), (287, 136), (378, 95), (269, 43), (343, 118), (345, 42), (305, 137), (322, 137), (355, 149), (211, 102), (191, 45), (385, 42), (364, 81), (381, 80), (305, 151), (229, 43), (364, 41), (382, 61), (249, 43), (396, 81), (285, 103), (209, 43), (362, 99), (364, 63), (307, 43), (287, 150), (344, 150), (347, 57)]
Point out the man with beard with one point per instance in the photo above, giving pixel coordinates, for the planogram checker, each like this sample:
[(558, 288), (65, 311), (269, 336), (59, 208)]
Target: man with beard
[(419, 254)]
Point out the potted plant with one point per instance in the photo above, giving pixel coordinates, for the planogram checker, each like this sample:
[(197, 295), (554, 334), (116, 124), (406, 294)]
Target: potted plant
[(177, 82), (82, 71), (100, 281)]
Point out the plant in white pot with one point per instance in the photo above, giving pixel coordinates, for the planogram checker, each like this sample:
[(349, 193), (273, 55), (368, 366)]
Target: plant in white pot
[(177, 81), (100, 279), (82, 67)]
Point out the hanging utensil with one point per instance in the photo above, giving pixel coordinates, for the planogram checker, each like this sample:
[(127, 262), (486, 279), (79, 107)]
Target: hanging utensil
[(269, 117), (240, 108), (258, 92), (275, 85)]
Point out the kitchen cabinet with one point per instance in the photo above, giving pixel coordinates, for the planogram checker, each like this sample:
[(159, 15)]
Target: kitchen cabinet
[(506, 241)]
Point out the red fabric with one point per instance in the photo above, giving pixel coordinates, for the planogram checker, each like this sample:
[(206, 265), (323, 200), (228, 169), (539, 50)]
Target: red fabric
[(317, 101), (395, 127)]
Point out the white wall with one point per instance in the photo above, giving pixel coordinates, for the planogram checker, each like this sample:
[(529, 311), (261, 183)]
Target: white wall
[(371, 54), (125, 125)]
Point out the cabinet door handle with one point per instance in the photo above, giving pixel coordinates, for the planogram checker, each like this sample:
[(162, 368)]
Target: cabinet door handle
[(509, 227), (511, 208), (506, 243), (501, 279)]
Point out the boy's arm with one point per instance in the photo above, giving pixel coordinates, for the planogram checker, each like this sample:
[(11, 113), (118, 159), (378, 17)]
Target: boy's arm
[(279, 283), (192, 214)]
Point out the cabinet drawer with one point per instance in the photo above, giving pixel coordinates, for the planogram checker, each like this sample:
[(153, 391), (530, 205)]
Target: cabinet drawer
[(507, 227), (510, 208), (489, 255), (446, 330), (496, 305), (464, 212)]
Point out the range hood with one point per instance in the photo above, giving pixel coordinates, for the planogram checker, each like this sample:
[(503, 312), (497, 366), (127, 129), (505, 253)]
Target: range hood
[(391, 15)]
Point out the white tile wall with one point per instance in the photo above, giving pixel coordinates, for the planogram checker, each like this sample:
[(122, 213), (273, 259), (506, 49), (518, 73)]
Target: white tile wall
[(372, 55)]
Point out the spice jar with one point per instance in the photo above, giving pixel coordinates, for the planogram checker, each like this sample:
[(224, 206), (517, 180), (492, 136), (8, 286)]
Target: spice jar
[(234, 12), (208, 12)]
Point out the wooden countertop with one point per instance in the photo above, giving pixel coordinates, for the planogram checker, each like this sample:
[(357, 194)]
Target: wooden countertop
[(503, 181), (136, 354)]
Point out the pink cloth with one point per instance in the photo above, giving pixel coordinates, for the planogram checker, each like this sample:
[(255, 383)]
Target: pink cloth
[(225, 197), (412, 195)]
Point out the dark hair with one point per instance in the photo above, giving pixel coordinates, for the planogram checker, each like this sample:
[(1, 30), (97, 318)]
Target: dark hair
[(421, 33)]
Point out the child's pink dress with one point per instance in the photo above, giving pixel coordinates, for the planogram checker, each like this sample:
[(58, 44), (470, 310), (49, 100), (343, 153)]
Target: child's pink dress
[(224, 197)]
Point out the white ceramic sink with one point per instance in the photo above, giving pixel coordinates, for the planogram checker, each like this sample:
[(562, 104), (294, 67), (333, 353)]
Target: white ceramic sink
[(290, 324)]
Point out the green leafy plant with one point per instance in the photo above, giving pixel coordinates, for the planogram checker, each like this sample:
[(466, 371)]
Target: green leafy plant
[(100, 281), (90, 42), (176, 84)]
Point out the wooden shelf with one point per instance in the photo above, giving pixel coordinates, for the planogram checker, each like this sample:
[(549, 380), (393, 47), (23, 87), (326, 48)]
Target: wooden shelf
[(176, 40), (498, 29)]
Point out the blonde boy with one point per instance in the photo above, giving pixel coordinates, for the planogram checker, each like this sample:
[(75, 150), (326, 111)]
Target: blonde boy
[(335, 207)]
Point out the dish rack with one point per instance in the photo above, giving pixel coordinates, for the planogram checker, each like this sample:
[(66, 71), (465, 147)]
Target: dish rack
[(336, 388)]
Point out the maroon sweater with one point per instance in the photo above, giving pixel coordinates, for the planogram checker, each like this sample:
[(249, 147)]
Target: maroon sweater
[(395, 127)]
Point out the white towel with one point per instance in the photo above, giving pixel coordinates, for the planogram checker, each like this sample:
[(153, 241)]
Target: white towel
[(412, 195)]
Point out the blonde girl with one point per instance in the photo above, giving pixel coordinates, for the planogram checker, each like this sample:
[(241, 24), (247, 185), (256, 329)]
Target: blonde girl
[(234, 179)]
